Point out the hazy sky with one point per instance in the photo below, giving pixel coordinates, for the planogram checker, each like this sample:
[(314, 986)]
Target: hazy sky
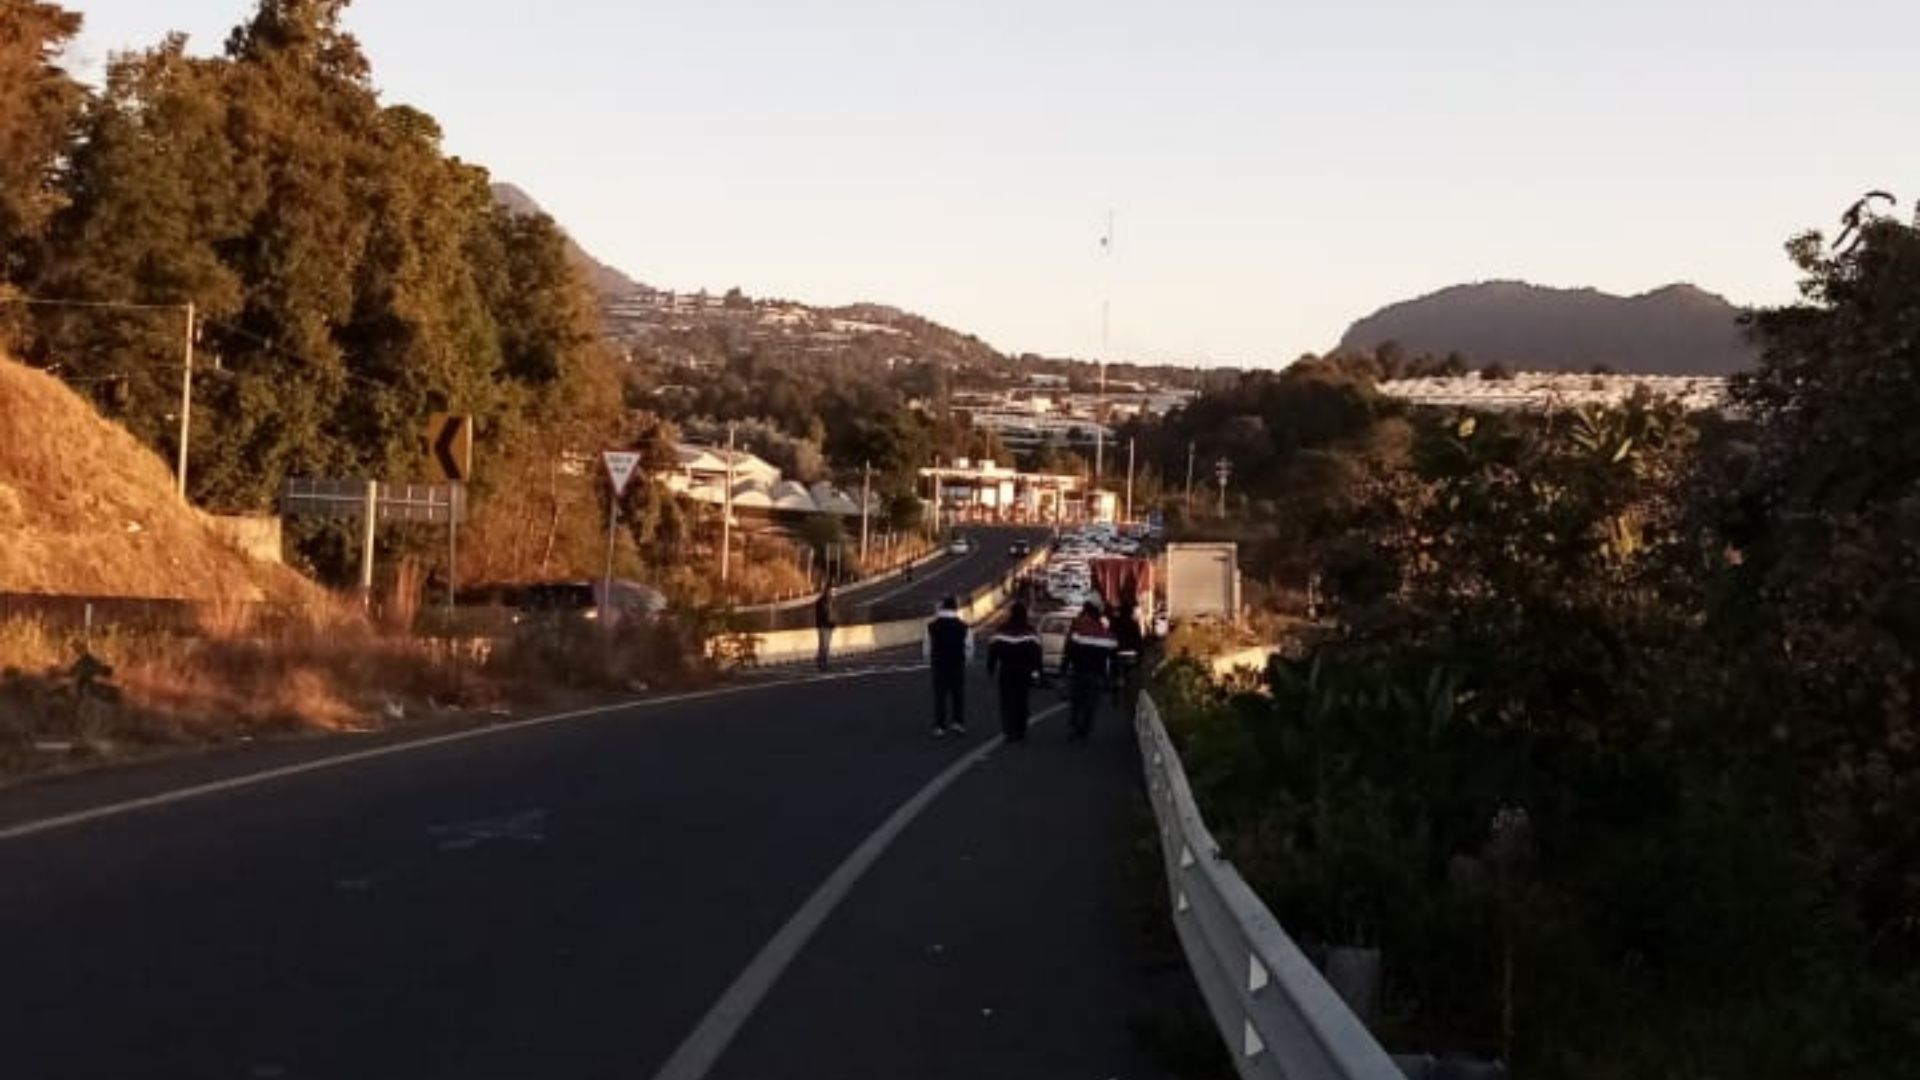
[(1277, 169)]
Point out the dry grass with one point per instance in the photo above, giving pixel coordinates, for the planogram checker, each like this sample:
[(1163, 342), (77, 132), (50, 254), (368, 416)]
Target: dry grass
[(314, 670), (86, 509), (325, 671)]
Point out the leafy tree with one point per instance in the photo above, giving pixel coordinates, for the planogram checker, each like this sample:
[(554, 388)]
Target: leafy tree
[(905, 512), (1823, 517), (39, 107)]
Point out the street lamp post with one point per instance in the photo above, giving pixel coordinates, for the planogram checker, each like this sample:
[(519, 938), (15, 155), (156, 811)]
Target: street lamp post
[(1222, 471), (726, 518)]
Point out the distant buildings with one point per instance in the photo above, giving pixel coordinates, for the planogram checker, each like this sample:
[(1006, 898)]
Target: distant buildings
[(1043, 414), (702, 474), (985, 491), (1552, 391)]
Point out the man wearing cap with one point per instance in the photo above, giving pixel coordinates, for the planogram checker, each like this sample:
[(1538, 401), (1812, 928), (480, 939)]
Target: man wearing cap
[(1085, 661), (947, 648)]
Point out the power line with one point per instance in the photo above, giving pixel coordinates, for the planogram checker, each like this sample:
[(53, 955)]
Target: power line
[(44, 301)]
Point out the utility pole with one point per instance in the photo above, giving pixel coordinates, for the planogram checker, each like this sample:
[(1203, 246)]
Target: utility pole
[(1223, 469), (726, 517), (934, 531), (186, 401), (1130, 480), (1189, 478), (1100, 400), (866, 501), (186, 375)]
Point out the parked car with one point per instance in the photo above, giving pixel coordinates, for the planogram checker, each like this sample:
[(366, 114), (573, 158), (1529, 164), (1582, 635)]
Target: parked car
[(581, 600)]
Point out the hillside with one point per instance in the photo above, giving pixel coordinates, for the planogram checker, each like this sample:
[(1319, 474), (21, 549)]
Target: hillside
[(1677, 330), (85, 509), (605, 279)]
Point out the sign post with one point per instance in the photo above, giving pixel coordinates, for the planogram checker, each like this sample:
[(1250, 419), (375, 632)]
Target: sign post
[(620, 469), (371, 503), (449, 441)]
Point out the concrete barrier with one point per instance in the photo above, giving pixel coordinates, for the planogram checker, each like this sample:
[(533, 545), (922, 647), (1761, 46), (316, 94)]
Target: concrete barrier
[(257, 537), (790, 646)]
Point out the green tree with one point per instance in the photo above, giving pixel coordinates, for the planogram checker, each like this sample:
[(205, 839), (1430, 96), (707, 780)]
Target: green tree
[(351, 277), (39, 109), (905, 512)]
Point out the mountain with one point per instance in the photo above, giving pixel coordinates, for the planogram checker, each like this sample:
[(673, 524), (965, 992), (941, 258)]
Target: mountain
[(1677, 330), (606, 281)]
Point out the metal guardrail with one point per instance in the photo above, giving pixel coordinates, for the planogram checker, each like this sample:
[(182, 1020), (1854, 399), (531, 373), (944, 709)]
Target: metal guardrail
[(1279, 1017)]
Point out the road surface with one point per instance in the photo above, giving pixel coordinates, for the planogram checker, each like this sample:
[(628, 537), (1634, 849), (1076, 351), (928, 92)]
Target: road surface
[(582, 897), (905, 597)]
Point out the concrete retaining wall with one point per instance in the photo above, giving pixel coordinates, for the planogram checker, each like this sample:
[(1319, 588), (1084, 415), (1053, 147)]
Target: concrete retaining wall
[(789, 646), (256, 537)]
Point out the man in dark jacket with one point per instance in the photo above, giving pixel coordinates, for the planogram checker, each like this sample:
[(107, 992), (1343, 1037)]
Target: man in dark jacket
[(1128, 641), (823, 622), (1089, 653), (947, 648), (1014, 655)]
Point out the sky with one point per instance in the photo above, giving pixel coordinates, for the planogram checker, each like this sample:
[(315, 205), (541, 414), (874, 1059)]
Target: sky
[(1275, 170)]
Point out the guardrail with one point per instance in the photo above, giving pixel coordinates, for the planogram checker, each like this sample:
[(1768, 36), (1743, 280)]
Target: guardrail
[(1279, 1017), (852, 639)]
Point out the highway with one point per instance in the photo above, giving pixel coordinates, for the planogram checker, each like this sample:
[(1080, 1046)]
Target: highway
[(904, 596), (588, 896)]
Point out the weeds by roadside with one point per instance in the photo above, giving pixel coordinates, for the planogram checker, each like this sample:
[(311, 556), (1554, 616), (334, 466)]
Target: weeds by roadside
[(69, 697)]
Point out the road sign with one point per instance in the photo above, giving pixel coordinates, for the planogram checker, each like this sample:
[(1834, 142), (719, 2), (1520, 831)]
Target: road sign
[(621, 465), (449, 439), (430, 504), (373, 503)]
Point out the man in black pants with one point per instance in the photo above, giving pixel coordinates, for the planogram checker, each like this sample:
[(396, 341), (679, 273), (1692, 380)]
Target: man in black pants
[(1015, 655), (1085, 663), (823, 624), (947, 648)]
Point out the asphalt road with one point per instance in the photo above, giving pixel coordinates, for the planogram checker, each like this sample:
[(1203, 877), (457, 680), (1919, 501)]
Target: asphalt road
[(571, 899), (907, 596)]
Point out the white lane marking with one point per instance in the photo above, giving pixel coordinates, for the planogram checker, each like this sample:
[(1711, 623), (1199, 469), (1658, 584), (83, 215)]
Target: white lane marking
[(913, 583), (245, 780), (528, 826), (715, 1032)]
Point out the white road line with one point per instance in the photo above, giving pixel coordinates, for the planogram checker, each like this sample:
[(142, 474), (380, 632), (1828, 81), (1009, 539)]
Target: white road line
[(702, 1048), (233, 783), (913, 583)]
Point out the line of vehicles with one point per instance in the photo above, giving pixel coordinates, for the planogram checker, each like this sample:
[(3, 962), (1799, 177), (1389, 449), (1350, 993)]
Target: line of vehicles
[(1107, 563)]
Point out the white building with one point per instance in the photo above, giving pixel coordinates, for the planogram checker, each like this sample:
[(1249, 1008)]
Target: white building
[(1553, 391), (702, 475), (985, 491)]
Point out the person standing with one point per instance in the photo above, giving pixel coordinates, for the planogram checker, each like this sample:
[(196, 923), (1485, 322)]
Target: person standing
[(1014, 655), (823, 624), (947, 648), (1088, 654), (1128, 642)]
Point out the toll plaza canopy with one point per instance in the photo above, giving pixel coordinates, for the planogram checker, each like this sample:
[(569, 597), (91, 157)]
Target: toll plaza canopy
[(985, 491)]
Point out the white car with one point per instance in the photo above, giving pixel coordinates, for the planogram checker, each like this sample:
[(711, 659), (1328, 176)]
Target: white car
[(1052, 631), (961, 546)]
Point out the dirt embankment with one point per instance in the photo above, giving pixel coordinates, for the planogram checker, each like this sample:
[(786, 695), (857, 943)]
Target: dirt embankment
[(87, 510)]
